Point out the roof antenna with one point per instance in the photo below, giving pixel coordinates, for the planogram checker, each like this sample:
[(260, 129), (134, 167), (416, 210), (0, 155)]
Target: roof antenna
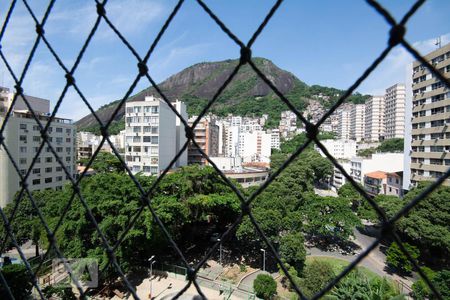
[(438, 42)]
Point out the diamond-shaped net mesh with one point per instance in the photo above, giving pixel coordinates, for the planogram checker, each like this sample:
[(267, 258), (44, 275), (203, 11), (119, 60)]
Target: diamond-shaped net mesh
[(388, 224)]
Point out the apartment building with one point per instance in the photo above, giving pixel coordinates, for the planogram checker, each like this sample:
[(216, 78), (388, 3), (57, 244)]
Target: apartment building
[(339, 149), (428, 120), (151, 139), (23, 139), (394, 111), (206, 134), (374, 119), (275, 139), (357, 122), (255, 146), (383, 183), (386, 162), (344, 123)]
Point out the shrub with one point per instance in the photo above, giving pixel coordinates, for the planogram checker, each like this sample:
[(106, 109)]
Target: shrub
[(397, 260), (265, 286)]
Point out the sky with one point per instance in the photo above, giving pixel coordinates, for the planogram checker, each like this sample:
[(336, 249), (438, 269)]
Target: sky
[(323, 42)]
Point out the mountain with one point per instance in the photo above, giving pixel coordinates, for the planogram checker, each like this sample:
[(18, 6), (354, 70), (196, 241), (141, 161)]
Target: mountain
[(246, 94)]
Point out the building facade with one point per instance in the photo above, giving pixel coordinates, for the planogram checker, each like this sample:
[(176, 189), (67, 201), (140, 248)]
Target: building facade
[(357, 122), (429, 120), (339, 149), (386, 162), (394, 111), (374, 119), (151, 136), (206, 134), (344, 124), (23, 139)]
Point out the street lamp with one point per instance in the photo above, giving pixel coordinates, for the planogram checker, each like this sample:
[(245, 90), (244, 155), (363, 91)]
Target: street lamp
[(264, 259), (220, 251), (151, 261)]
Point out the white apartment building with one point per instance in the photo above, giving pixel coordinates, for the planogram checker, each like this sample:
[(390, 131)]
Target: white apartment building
[(357, 122), (151, 136), (387, 162), (338, 179), (23, 139), (255, 146), (374, 119), (394, 111), (339, 149), (344, 123), (275, 139)]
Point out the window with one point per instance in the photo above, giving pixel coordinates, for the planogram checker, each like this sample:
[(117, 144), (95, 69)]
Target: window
[(59, 129), (137, 109), (23, 126), (48, 180), (438, 98), (438, 110), (36, 181), (68, 150), (437, 123), (49, 159), (68, 158), (59, 149), (136, 119), (147, 128), (23, 138), (68, 140), (154, 140), (154, 120), (48, 170), (23, 161), (155, 130), (58, 169), (68, 131), (136, 168), (23, 171), (37, 171), (155, 109), (437, 85), (129, 110), (38, 160), (154, 170), (136, 128), (147, 139), (437, 136), (129, 119), (58, 178), (23, 149), (136, 139), (59, 140), (146, 169), (36, 127)]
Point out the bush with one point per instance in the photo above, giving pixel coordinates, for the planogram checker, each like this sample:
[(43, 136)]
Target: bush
[(397, 260), (315, 277), (265, 286), (19, 282), (440, 280)]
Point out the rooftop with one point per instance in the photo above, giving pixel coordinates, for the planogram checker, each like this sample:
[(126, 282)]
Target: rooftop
[(376, 174)]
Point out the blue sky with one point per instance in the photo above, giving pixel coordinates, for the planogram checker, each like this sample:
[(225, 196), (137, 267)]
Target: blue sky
[(322, 42)]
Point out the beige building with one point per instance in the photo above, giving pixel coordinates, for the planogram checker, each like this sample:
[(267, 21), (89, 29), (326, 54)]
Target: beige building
[(429, 120), (357, 122), (394, 112), (206, 134), (344, 123), (23, 139), (374, 119), (383, 183)]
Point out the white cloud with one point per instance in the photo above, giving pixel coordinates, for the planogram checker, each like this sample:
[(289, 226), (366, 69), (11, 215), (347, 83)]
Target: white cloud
[(394, 68)]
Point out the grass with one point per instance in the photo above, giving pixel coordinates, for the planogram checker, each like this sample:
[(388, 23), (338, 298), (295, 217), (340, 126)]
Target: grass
[(340, 264)]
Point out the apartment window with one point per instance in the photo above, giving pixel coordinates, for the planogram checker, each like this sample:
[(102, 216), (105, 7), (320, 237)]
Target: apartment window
[(136, 128), (136, 168), (37, 171), (23, 138), (146, 169), (153, 170), (58, 169), (147, 119), (48, 150), (129, 119), (68, 150), (437, 123), (447, 162), (436, 148), (136, 149), (49, 159), (36, 181), (48, 170), (147, 139), (23, 149), (154, 150), (129, 110), (155, 109), (136, 139), (68, 131), (59, 149), (418, 149), (437, 98), (68, 140), (154, 140), (68, 158), (38, 160), (155, 130), (48, 180), (437, 136), (23, 161), (50, 129), (154, 120), (136, 119), (438, 110), (147, 129), (58, 178), (59, 140), (137, 109), (434, 161), (36, 128), (59, 129), (23, 126), (437, 85)]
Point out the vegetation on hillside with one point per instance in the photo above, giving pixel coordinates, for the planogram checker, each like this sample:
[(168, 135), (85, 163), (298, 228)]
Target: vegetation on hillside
[(391, 145)]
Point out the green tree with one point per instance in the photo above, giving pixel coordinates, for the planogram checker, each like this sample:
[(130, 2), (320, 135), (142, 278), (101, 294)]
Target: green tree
[(18, 280), (292, 250), (391, 145), (440, 280), (420, 289), (316, 276), (105, 162), (397, 260), (265, 286)]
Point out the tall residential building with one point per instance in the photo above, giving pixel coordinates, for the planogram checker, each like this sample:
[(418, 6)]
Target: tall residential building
[(357, 122), (206, 134), (387, 162), (374, 119), (255, 146), (343, 127), (275, 139), (180, 132), (339, 149), (428, 120), (394, 112), (23, 139), (151, 136)]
